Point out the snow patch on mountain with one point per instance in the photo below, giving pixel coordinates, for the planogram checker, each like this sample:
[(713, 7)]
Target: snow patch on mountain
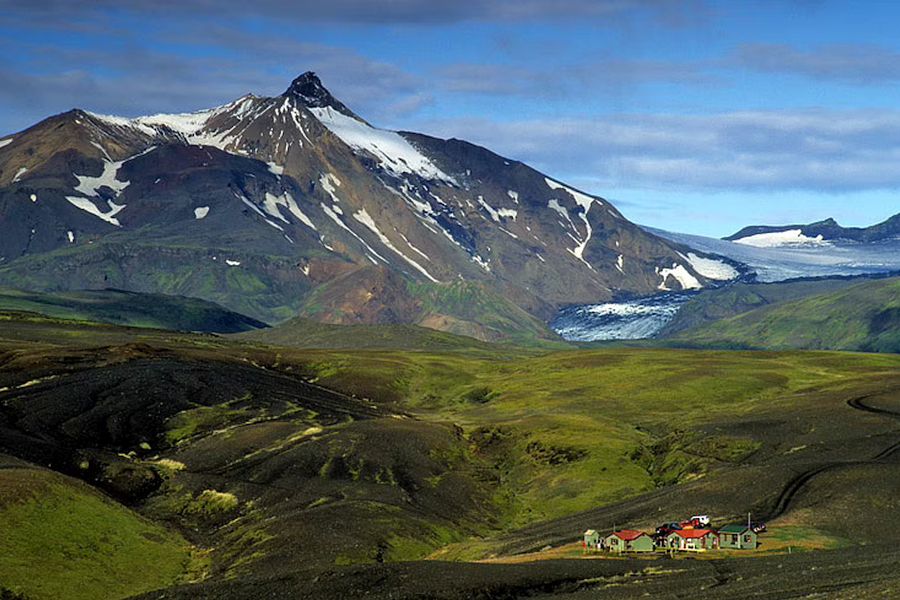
[(392, 150), (330, 183), (681, 275), (363, 217), (585, 202), (337, 219), (481, 262), (498, 214), (116, 121), (19, 174), (775, 239), (711, 268), (200, 212), (187, 124), (90, 186), (514, 195), (560, 210), (413, 248), (88, 206), (6, 142), (272, 202)]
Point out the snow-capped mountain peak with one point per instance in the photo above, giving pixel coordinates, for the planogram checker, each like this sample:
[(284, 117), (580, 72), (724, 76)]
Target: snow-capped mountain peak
[(298, 179), (308, 89)]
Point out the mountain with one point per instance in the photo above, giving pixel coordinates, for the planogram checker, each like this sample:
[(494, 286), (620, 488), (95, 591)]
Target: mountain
[(780, 263), (862, 317), (293, 204), (119, 307), (816, 233)]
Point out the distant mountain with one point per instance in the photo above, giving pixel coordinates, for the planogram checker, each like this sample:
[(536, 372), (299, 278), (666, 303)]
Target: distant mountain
[(793, 261), (118, 307), (863, 317), (293, 204), (815, 233)]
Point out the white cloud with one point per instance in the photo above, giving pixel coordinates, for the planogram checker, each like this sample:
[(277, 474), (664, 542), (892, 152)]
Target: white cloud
[(824, 150)]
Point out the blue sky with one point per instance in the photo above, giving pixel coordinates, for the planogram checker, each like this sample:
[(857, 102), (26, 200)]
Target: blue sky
[(693, 116)]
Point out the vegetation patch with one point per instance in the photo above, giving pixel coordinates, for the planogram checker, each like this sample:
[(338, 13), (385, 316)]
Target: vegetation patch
[(70, 542)]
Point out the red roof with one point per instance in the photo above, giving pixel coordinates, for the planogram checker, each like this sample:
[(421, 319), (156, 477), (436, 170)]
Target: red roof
[(689, 534), (628, 534)]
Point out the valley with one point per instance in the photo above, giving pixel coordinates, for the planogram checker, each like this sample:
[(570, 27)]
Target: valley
[(240, 453)]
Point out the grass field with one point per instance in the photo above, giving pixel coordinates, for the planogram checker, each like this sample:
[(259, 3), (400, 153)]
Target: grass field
[(62, 539), (556, 421)]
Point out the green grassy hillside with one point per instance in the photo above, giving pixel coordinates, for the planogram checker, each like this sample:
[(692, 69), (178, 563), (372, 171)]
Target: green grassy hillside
[(133, 309), (713, 305), (61, 539), (863, 317)]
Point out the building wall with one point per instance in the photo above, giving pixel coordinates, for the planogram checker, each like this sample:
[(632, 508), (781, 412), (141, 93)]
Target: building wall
[(641, 544)]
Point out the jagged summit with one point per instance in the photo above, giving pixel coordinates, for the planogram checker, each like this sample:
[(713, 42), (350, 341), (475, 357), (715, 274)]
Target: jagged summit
[(308, 89)]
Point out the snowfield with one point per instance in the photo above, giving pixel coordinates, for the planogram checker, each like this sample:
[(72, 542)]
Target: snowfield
[(790, 262), (681, 275), (775, 239), (395, 154), (711, 268)]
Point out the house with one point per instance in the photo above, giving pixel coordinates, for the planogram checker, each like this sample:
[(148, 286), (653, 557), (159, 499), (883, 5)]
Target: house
[(693, 540), (739, 537), (628, 540), (591, 540)]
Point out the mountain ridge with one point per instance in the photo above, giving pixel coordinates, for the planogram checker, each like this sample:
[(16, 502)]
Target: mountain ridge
[(821, 231), (258, 202)]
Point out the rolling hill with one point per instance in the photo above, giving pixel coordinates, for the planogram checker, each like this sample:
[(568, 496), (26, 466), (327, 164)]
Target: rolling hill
[(862, 317)]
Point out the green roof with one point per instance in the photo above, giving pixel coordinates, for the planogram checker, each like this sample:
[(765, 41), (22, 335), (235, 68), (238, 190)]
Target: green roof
[(734, 529)]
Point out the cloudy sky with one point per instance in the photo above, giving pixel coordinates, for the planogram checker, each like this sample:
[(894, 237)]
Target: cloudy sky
[(695, 116)]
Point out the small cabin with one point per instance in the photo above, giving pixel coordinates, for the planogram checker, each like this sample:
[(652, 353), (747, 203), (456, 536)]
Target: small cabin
[(591, 540), (693, 540), (628, 540), (738, 537)]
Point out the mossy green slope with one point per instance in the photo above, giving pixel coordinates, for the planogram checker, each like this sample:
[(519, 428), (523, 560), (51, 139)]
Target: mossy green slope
[(61, 539), (862, 317), (716, 304), (554, 422)]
